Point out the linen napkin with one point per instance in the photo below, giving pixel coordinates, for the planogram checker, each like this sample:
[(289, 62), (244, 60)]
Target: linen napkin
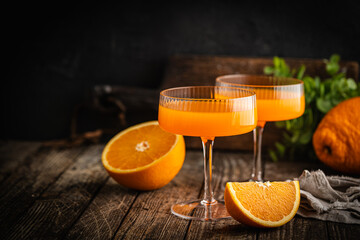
[(329, 198)]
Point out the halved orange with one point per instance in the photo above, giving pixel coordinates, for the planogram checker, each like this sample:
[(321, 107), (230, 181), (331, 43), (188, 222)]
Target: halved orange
[(262, 204), (144, 157)]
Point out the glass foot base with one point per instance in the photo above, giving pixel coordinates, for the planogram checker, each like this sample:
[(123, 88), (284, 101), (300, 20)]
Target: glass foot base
[(197, 210)]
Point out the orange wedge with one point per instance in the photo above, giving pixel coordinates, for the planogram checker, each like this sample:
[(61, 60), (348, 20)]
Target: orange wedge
[(144, 157), (257, 204)]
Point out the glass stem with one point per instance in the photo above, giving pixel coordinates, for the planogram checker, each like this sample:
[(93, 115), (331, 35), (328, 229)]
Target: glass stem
[(258, 167), (207, 144)]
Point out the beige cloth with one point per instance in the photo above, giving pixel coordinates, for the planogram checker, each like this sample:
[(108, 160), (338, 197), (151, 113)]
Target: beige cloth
[(329, 198)]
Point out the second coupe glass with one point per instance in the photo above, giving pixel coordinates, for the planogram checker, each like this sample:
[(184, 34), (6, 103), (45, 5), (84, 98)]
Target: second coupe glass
[(277, 99)]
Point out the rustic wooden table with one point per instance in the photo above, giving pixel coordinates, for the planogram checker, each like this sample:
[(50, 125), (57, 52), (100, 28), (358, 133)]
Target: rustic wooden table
[(49, 193)]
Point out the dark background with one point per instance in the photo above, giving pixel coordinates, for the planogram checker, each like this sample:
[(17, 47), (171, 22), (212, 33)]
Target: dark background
[(56, 52)]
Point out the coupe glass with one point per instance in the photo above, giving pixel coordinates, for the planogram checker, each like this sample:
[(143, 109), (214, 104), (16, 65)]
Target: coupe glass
[(277, 98), (206, 112)]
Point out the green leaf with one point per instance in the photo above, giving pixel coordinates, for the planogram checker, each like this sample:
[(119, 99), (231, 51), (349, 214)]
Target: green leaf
[(305, 137), (332, 68), (273, 155), (336, 101), (286, 136), (301, 72), (268, 70), (310, 97), (337, 86), (335, 58), (317, 82), (309, 116), (341, 85), (322, 90), (338, 76), (308, 82), (280, 148), (351, 84), (276, 62), (295, 137), (280, 124), (285, 68), (323, 105), (288, 125)]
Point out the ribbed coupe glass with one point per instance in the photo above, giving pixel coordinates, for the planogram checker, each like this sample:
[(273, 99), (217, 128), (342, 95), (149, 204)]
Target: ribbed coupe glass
[(277, 98), (206, 112)]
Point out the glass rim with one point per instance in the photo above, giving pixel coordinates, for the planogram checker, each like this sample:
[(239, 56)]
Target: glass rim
[(252, 94), (295, 80)]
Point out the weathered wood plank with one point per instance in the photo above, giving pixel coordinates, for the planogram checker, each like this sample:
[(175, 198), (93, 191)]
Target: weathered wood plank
[(288, 170), (55, 194), (13, 153), (236, 165), (297, 228), (223, 229), (105, 213), (343, 231), (61, 204), (19, 191), (150, 216)]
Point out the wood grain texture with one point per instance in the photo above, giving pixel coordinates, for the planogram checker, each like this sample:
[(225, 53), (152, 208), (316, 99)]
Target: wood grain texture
[(67, 194), (297, 228), (343, 231), (59, 206), (13, 153), (150, 217), (105, 214), (29, 180)]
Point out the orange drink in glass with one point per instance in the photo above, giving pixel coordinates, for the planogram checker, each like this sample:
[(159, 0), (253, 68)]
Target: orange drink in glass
[(206, 112), (278, 99)]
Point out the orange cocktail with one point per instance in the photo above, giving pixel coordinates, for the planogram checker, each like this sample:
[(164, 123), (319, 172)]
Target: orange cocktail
[(278, 107), (277, 98), (206, 112), (271, 110), (202, 120)]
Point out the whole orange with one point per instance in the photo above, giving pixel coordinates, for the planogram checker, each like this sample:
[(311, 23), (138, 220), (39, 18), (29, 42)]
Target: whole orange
[(336, 139)]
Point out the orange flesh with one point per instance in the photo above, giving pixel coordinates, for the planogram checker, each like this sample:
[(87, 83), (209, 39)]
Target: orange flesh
[(150, 142), (267, 203)]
